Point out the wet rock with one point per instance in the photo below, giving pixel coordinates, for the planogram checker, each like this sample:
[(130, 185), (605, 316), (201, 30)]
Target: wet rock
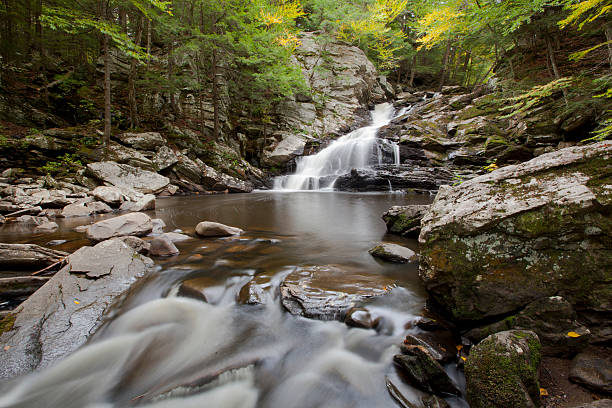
[(395, 178), (137, 224), (123, 175), (142, 141), (593, 370), (215, 229), (393, 253), (61, 315), (440, 346), (405, 220), (110, 195), (194, 289), (425, 373), (232, 184), (433, 401), (162, 247), (139, 245), (256, 291), (2, 219), (502, 371), (144, 203), (359, 317), (551, 318), (28, 256), (328, 292), (81, 228), (46, 227), (499, 241), (397, 395)]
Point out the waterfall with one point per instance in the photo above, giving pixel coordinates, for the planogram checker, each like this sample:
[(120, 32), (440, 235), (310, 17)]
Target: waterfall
[(356, 150)]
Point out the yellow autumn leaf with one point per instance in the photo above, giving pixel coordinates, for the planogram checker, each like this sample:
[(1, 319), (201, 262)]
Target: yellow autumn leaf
[(463, 358), (459, 347), (573, 334), (543, 392), (76, 302)]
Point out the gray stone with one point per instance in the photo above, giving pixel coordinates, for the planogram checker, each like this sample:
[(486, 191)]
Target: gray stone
[(158, 225), (61, 315), (98, 207), (77, 210), (145, 203), (593, 370), (501, 240), (511, 359), (288, 148), (215, 229), (393, 253), (164, 158), (603, 403), (139, 245), (110, 195), (138, 224), (31, 220), (123, 175), (161, 246), (175, 236), (143, 141)]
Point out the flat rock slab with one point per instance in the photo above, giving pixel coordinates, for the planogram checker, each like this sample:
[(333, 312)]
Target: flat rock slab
[(393, 253), (328, 292), (138, 224), (593, 371), (28, 256), (62, 314), (123, 175)]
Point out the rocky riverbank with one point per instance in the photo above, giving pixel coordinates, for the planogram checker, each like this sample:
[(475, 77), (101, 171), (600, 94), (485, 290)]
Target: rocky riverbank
[(525, 247)]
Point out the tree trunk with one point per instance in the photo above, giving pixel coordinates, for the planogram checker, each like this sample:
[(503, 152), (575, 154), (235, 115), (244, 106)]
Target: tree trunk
[(134, 120), (445, 65), (609, 40), (107, 97), (412, 70), (215, 94), (553, 64), (148, 41)]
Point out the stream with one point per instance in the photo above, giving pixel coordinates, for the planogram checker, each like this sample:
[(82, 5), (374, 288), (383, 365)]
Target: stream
[(160, 350)]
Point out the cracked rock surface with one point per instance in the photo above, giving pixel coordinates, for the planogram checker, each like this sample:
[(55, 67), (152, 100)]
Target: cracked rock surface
[(61, 315)]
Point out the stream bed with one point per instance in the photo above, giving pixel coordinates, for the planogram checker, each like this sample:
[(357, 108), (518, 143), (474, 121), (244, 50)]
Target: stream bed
[(162, 350)]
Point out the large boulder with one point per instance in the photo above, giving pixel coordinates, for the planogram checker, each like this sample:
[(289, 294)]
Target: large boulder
[(504, 239), (291, 146), (61, 315), (110, 195), (328, 292), (123, 175), (137, 224), (142, 141), (502, 371)]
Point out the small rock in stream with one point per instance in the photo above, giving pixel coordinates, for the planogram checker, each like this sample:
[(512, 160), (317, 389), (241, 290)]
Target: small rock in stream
[(215, 229), (393, 253), (162, 247)]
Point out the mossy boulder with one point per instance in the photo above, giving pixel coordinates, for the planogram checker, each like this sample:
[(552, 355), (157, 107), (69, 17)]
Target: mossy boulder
[(405, 220), (500, 241), (502, 371)]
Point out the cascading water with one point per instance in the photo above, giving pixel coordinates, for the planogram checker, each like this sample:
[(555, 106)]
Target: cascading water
[(356, 150)]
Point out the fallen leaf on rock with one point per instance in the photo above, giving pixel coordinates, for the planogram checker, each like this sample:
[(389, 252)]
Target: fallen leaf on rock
[(76, 302), (7, 348), (573, 334), (543, 392)]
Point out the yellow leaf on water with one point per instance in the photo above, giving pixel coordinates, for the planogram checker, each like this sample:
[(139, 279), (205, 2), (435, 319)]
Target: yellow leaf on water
[(543, 392), (573, 334)]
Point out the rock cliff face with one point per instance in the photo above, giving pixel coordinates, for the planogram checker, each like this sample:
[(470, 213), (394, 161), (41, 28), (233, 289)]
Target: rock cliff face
[(495, 243), (343, 82)]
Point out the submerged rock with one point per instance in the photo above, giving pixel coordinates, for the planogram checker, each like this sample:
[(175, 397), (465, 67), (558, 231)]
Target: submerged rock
[(502, 240), (215, 229), (46, 227), (424, 372), (138, 224), (61, 315), (393, 253), (328, 292), (405, 220), (502, 371)]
